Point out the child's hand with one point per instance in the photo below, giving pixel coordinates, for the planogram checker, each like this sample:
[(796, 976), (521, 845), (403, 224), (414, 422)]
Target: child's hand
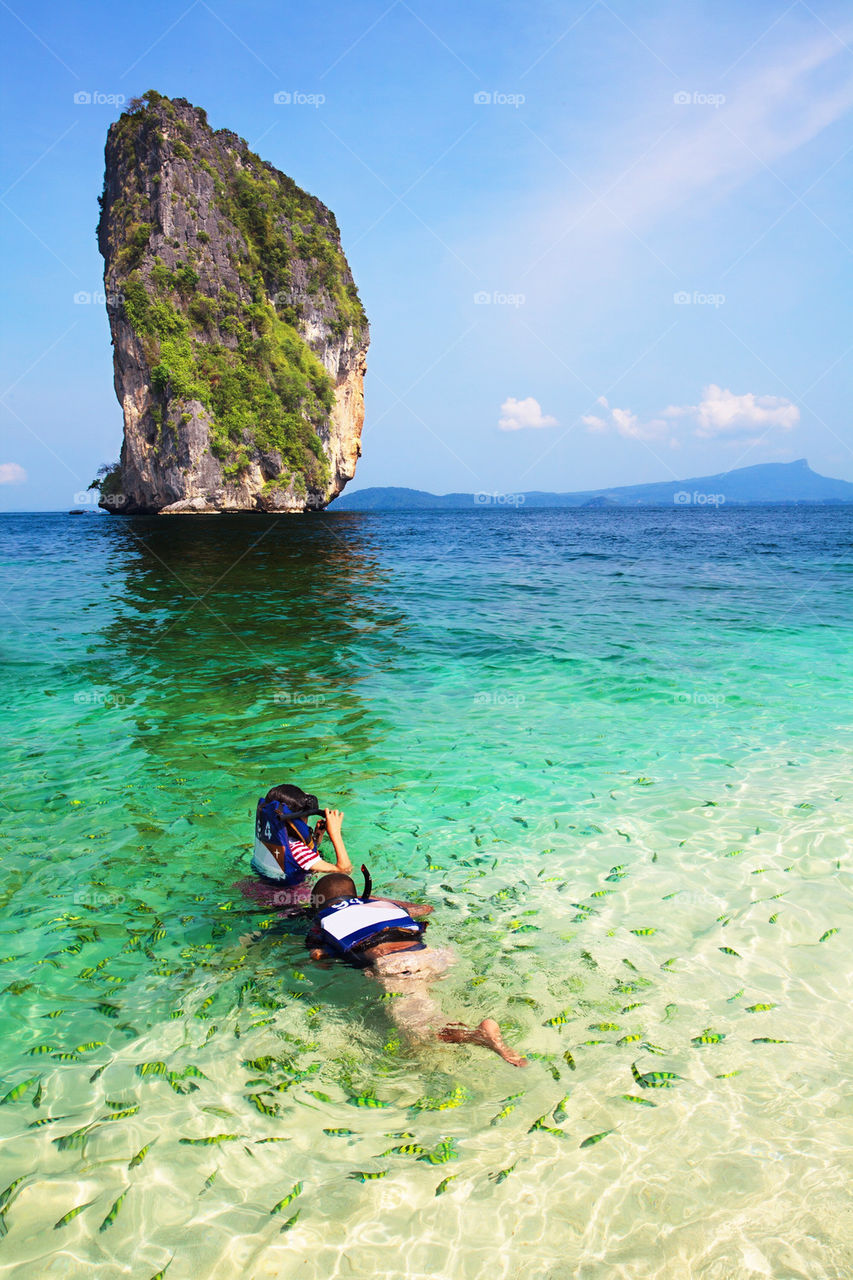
[(334, 821)]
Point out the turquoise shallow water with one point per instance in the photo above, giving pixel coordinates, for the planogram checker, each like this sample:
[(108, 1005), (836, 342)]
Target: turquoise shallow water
[(613, 748)]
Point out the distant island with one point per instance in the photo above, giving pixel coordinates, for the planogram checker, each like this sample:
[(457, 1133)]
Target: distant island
[(766, 483)]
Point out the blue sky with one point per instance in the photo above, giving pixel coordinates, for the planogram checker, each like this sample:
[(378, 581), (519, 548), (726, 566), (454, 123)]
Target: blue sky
[(598, 243)]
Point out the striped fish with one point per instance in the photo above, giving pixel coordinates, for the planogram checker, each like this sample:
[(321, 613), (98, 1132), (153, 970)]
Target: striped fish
[(442, 1153), (113, 1213), (560, 1113), (211, 1141), (19, 1090), (288, 1199), (596, 1137), (654, 1079), (71, 1215)]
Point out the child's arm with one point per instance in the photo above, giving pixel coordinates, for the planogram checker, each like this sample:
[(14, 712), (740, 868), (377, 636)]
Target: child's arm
[(334, 822)]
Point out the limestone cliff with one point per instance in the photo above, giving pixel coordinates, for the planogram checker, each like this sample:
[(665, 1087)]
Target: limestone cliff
[(239, 338)]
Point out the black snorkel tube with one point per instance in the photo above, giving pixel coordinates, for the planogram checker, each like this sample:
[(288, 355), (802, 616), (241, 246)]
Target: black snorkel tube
[(302, 814), (368, 884)]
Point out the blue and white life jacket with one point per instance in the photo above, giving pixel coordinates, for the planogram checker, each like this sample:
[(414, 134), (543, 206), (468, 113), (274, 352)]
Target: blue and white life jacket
[(271, 818), (347, 921)]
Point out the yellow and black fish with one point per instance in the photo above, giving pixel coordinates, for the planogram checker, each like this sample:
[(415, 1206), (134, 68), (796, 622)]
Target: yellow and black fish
[(71, 1215), (709, 1037), (596, 1137), (113, 1213), (19, 1090), (211, 1141), (288, 1199), (442, 1153), (654, 1079), (560, 1113)]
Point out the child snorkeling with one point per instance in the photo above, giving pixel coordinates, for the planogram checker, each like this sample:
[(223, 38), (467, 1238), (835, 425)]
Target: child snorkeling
[(385, 939), (286, 849)]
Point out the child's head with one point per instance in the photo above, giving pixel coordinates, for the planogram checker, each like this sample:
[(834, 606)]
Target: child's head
[(296, 800), (334, 885)]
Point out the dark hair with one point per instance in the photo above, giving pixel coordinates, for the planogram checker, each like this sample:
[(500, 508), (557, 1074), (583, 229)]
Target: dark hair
[(294, 797), (331, 886)]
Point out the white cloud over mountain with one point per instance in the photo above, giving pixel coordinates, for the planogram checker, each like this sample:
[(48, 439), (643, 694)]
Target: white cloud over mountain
[(720, 413)]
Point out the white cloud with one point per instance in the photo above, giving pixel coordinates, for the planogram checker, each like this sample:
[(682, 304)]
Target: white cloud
[(719, 413), (518, 415), (626, 424), (722, 413), (11, 473)]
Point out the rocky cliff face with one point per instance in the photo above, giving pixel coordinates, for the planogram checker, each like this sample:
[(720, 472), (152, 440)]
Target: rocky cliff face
[(239, 338)]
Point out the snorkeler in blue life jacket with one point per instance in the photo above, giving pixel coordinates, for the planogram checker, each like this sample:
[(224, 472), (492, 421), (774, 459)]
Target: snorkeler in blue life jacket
[(286, 849), (385, 938)]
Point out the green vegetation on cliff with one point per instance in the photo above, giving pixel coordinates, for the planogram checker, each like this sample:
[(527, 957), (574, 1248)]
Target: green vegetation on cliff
[(189, 212)]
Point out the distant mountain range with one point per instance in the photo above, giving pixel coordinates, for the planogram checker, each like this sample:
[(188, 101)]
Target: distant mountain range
[(769, 482)]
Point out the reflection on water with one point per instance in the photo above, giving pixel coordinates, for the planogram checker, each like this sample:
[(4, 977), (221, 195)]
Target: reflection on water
[(612, 748)]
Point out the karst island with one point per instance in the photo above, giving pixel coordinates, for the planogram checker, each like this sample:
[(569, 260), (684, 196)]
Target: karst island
[(238, 334)]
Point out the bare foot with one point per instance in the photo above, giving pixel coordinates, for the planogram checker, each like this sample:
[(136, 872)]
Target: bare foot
[(488, 1034)]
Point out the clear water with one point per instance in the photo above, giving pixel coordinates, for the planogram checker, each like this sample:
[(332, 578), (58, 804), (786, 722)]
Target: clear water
[(508, 706)]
